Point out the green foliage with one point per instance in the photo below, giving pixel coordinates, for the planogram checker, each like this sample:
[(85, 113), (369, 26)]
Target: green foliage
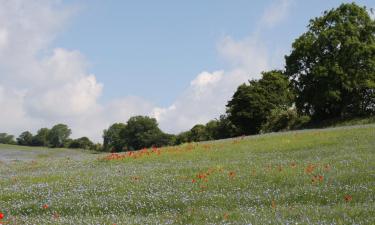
[(251, 104), (284, 119), (58, 135), (332, 65), (112, 140), (143, 132), (41, 138), (7, 139), (83, 143), (139, 132), (26, 138)]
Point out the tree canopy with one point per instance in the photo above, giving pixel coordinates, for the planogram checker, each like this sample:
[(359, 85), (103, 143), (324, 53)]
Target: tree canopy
[(252, 103), (332, 65), (58, 135)]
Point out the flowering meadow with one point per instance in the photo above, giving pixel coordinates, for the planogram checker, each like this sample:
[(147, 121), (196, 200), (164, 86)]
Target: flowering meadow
[(305, 177)]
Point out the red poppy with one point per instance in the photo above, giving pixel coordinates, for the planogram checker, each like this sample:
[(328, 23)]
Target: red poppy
[(45, 206), (1, 216), (348, 198), (193, 181)]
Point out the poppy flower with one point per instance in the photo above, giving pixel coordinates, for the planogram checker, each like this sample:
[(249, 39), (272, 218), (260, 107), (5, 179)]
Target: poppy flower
[(348, 198), (1, 216), (45, 206)]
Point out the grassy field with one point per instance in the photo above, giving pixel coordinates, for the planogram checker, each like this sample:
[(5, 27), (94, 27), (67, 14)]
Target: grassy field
[(305, 177)]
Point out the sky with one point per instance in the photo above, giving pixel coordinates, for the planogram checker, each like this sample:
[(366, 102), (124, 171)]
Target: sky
[(91, 63)]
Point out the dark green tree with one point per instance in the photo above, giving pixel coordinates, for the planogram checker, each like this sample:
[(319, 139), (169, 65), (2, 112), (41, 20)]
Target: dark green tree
[(198, 133), (251, 104), (112, 141), (26, 138), (58, 135), (332, 65), (41, 137), (83, 143), (7, 139), (143, 132)]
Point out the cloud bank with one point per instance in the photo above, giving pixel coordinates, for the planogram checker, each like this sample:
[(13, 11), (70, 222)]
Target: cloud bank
[(42, 85)]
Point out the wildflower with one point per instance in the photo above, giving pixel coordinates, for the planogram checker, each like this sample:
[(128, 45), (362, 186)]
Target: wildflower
[(45, 206), (327, 167), (56, 215), (310, 168), (1, 216), (273, 204), (193, 181), (348, 198), (232, 174)]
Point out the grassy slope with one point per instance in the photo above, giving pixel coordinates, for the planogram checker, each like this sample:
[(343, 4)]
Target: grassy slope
[(264, 179)]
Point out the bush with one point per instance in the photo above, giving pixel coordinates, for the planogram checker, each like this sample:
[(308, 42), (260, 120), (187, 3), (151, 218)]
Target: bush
[(284, 119)]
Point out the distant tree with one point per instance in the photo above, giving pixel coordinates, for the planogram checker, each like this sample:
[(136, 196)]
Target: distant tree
[(58, 135), (284, 119), (83, 143), (332, 65), (183, 137), (112, 141), (7, 139), (26, 138), (41, 138), (225, 128), (198, 133), (251, 104), (143, 132)]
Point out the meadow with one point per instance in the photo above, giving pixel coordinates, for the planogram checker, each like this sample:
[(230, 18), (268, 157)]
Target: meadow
[(318, 176)]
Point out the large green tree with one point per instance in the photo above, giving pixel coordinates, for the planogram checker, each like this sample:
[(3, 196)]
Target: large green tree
[(112, 141), (58, 135), (26, 138), (251, 104), (332, 65), (41, 137), (143, 132)]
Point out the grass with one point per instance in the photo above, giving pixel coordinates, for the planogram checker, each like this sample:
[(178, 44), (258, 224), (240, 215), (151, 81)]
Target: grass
[(322, 176)]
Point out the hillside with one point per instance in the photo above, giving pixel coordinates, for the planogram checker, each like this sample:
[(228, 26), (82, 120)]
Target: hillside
[(322, 176)]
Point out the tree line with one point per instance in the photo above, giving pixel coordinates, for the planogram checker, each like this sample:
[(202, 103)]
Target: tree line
[(329, 74)]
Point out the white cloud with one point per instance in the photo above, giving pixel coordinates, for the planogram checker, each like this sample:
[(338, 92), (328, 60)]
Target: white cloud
[(41, 86), (209, 92), (276, 12)]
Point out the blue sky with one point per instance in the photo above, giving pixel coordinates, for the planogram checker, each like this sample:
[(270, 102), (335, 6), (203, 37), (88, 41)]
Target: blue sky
[(91, 63), (153, 49)]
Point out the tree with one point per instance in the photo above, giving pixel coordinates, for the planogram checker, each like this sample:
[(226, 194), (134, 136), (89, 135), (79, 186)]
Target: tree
[(251, 104), (143, 132), (58, 135), (112, 141), (198, 133), (41, 137), (83, 143), (7, 139), (225, 128), (26, 138), (332, 65)]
